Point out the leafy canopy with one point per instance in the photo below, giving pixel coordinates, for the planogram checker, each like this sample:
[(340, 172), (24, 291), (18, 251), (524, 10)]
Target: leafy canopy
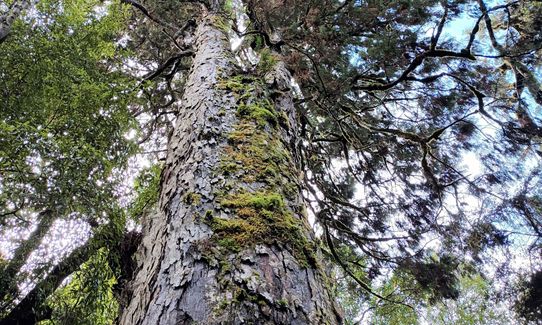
[(419, 132)]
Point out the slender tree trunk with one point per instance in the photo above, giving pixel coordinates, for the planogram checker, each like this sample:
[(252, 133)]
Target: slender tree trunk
[(31, 309), (8, 281), (230, 243), (7, 19)]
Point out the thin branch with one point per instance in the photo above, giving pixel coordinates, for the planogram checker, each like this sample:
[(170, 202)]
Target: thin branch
[(146, 12), (169, 62), (413, 65), (435, 37), (345, 268)]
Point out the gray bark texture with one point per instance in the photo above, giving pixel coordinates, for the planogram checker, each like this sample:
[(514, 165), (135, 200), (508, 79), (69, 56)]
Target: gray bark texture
[(229, 243), (7, 19)]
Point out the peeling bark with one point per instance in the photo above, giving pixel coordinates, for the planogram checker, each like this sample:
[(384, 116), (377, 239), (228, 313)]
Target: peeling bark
[(215, 252)]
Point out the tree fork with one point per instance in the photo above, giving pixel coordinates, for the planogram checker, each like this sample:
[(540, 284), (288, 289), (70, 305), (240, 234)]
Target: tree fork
[(230, 243)]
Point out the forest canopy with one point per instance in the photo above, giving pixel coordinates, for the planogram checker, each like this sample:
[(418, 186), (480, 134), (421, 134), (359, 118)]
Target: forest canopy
[(418, 141)]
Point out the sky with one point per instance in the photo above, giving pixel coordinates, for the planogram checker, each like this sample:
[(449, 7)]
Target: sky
[(68, 234)]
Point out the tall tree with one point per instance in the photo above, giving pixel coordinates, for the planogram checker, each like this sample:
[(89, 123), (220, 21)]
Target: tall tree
[(389, 102), (62, 131), (229, 242)]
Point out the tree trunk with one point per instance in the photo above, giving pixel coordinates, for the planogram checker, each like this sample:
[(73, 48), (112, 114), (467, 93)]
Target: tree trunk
[(8, 281), (7, 19), (230, 243)]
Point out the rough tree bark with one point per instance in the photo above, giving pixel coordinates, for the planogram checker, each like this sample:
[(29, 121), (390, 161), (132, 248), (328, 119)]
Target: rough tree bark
[(230, 243)]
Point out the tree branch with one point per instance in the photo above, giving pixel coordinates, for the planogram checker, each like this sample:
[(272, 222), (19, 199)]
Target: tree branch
[(435, 37), (345, 268), (413, 65), (169, 62)]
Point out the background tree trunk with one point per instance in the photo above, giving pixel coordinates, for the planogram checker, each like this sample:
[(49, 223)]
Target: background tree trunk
[(230, 243), (7, 19)]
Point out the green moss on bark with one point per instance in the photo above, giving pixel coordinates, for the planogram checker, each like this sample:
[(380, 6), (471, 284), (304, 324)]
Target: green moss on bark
[(261, 218), (255, 157), (192, 198), (238, 85), (262, 112)]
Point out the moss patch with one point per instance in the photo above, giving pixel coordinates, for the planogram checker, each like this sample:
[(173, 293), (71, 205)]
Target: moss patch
[(264, 201), (261, 217), (192, 198), (222, 23), (282, 303), (239, 84), (262, 112), (256, 156), (267, 61), (251, 105)]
